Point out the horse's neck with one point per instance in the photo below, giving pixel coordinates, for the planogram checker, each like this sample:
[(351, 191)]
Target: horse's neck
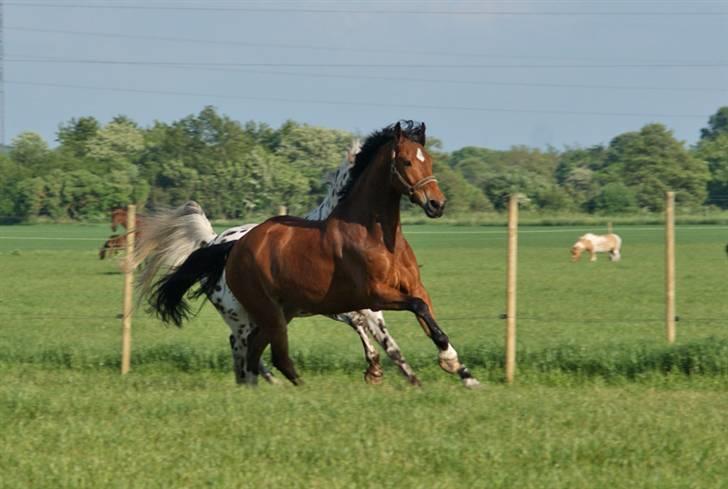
[(119, 219), (338, 181), (374, 204)]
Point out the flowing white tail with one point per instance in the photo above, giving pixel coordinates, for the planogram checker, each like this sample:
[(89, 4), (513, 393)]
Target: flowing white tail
[(169, 237)]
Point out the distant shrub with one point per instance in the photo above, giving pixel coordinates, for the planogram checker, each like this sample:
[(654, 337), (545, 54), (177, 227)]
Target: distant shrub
[(615, 198)]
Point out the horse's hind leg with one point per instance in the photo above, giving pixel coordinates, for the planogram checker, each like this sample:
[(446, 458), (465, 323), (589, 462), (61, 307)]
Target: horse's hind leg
[(378, 329), (241, 326), (358, 323), (238, 352), (239, 341), (279, 352), (614, 255), (258, 340), (266, 373)]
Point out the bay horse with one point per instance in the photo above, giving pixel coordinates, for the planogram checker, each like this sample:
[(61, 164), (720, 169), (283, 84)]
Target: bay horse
[(172, 235), (111, 246), (117, 242), (118, 218), (357, 258), (593, 243)]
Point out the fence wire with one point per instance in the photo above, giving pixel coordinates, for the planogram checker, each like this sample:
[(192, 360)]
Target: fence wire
[(489, 318)]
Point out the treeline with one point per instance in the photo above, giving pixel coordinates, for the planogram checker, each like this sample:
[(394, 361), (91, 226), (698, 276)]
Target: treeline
[(239, 171)]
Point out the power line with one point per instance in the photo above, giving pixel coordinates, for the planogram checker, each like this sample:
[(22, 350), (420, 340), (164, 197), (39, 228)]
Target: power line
[(365, 104), (418, 3), (362, 65), (474, 82), (458, 81), (303, 46), (378, 11)]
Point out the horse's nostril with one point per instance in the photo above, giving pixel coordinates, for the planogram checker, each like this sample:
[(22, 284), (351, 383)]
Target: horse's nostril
[(435, 204)]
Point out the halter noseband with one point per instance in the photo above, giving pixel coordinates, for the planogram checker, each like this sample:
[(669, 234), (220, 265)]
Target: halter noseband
[(411, 189)]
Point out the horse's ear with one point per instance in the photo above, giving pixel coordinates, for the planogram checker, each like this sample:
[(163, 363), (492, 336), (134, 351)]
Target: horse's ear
[(397, 133), (423, 133)]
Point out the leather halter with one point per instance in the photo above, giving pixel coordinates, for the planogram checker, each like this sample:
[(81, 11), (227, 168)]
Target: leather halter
[(411, 189)]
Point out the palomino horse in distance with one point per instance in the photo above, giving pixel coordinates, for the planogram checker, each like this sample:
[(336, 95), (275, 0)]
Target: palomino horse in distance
[(355, 259), (593, 243), (171, 235)]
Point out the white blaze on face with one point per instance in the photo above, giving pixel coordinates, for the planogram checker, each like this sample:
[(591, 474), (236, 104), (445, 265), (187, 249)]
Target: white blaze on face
[(420, 156)]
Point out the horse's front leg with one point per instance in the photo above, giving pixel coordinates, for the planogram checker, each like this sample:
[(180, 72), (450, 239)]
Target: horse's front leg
[(419, 303), (377, 328), (374, 372)]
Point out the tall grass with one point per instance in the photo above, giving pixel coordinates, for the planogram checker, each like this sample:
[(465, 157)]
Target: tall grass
[(71, 429), (705, 357)]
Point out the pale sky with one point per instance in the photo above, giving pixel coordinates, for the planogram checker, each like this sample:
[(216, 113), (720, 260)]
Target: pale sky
[(486, 73)]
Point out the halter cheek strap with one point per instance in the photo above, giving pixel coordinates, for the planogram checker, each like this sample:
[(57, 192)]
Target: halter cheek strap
[(411, 189)]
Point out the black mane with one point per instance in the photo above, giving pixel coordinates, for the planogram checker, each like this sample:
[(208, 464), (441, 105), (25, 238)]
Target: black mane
[(414, 131)]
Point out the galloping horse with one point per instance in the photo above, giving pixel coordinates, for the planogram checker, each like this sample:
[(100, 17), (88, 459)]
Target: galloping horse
[(355, 259), (593, 243), (170, 236)]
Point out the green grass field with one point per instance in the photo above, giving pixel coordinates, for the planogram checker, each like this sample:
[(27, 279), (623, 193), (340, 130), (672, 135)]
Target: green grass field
[(600, 400)]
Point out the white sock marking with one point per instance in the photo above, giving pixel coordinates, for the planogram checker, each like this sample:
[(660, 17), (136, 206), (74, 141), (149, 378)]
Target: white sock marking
[(449, 354)]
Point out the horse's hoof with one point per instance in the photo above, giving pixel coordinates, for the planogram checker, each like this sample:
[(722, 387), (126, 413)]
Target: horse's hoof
[(271, 380), (373, 378), (471, 383), (415, 382)]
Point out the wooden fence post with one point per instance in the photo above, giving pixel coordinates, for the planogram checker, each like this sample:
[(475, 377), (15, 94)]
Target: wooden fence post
[(610, 228), (282, 210), (510, 336), (128, 290), (670, 266)]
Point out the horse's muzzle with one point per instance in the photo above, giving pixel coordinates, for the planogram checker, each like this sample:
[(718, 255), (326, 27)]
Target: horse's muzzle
[(434, 208)]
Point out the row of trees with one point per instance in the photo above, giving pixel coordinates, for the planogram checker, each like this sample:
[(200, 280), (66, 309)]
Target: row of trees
[(242, 170)]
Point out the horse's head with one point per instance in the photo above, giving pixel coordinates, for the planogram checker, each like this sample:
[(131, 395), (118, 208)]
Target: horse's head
[(576, 253), (577, 250), (412, 172), (118, 216)]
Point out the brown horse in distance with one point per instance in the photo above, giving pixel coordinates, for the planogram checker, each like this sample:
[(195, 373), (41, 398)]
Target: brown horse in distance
[(117, 242), (355, 259), (119, 218), (111, 246)]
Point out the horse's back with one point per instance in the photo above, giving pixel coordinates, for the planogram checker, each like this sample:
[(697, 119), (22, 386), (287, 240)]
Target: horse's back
[(280, 248), (616, 241), (603, 242)]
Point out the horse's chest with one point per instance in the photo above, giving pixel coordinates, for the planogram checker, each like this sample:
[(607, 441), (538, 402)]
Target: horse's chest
[(386, 268)]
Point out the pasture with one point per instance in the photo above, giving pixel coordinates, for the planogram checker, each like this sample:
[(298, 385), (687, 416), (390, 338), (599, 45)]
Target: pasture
[(600, 400)]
